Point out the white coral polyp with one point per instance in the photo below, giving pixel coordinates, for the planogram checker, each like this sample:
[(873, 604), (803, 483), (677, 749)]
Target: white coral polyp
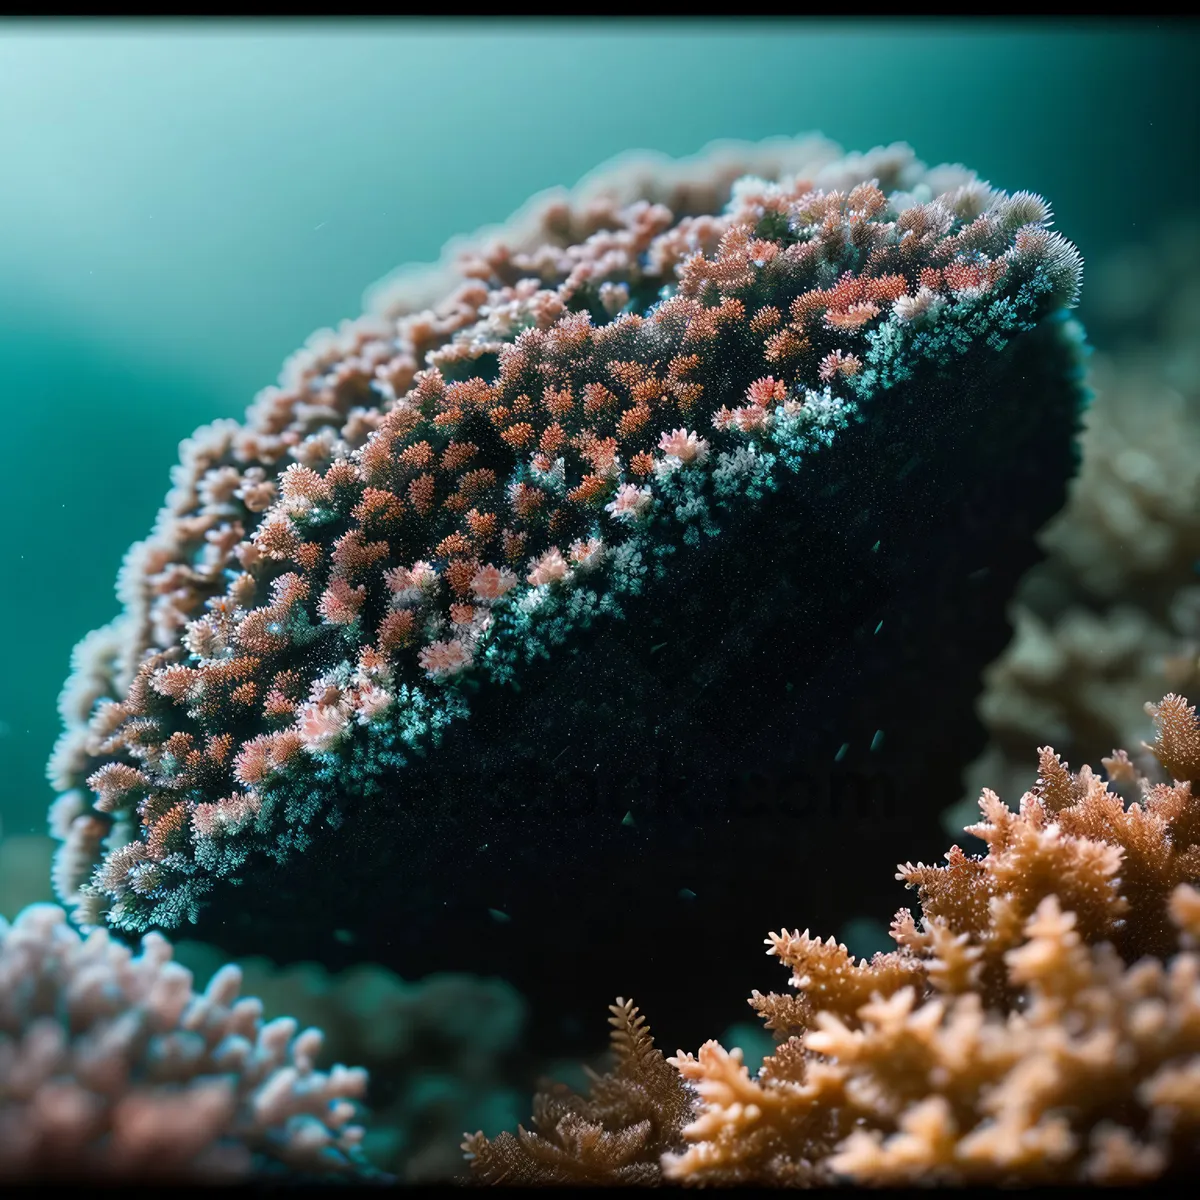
[(915, 310), (630, 503), (686, 446), (322, 726), (550, 568)]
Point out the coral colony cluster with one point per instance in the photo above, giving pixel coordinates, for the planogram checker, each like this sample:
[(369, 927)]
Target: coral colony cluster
[(675, 446), (1040, 1021), (684, 509)]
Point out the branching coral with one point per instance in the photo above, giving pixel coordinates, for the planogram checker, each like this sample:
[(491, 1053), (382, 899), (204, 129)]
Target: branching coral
[(112, 1068), (1027, 1029), (1040, 1022), (614, 1136), (637, 424)]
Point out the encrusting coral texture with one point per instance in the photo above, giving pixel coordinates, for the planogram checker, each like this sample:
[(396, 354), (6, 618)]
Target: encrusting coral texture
[(113, 1070), (1039, 1022), (593, 476)]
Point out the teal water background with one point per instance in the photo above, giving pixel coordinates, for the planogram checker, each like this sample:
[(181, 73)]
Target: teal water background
[(183, 203)]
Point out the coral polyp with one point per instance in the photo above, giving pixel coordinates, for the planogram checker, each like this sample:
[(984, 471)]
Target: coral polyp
[(632, 406)]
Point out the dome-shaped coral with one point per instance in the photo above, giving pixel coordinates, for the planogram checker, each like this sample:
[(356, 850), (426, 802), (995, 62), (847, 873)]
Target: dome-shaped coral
[(684, 439)]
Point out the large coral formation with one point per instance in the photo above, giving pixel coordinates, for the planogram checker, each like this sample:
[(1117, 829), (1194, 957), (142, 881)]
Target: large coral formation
[(758, 439), (1040, 1022), (1113, 614), (113, 1069)]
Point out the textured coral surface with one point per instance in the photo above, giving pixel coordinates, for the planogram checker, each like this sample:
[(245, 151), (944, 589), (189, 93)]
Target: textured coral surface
[(692, 465), (614, 1136)]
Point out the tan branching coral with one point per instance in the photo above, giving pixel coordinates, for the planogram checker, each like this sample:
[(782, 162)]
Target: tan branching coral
[(614, 1136), (1039, 1022), (1177, 745), (1028, 1028)]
